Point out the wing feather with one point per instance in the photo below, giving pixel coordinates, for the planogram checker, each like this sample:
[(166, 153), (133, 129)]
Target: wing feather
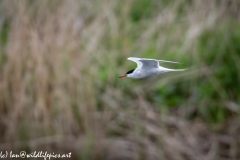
[(144, 63), (137, 59)]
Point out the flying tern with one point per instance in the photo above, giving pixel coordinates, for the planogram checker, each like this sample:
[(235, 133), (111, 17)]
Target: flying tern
[(147, 68)]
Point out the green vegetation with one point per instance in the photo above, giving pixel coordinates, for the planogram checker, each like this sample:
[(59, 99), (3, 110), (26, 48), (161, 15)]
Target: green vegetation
[(59, 68)]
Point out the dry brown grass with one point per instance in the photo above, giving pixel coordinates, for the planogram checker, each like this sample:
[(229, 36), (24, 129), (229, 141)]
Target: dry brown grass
[(55, 97)]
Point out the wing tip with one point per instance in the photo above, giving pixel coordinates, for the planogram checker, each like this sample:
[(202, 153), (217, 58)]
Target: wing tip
[(131, 58), (169, 61), (136, 58)]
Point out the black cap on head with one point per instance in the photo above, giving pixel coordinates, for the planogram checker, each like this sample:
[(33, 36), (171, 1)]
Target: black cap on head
[(130, 71)]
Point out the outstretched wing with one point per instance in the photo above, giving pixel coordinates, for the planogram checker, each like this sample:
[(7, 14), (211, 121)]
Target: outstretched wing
[(136, 60), (144, 63), (148, 62), (159, 60)]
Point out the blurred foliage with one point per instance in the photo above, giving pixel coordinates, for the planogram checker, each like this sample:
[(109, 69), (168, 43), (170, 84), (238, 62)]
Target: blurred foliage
[(4, 32), (143, 9), (60, 63), (217, 50), (220, 50)]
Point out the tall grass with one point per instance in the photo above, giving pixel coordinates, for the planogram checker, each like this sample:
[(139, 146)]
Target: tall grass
[(59, 68)]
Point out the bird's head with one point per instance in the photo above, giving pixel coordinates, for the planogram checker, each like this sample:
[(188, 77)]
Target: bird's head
[(128, 74)]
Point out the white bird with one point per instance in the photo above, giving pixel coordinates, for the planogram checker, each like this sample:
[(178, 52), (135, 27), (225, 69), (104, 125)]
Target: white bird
[(147, 68)]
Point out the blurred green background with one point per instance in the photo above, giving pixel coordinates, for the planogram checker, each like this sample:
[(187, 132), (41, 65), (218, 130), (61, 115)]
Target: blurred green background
[(59, 68)]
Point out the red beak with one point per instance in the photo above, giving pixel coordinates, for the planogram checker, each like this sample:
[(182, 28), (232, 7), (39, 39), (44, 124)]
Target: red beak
[(125, 75)]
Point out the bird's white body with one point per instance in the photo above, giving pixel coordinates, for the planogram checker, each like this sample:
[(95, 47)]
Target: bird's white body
[(139, 74), (147, 68)]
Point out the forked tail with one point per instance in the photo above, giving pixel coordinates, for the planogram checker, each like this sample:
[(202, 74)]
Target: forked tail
[(163, 69), (178, 69)]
